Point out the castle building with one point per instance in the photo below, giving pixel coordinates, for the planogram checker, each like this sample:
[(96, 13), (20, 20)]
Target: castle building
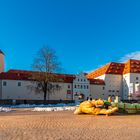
[(113, 79), (14, 85), (121, 79)]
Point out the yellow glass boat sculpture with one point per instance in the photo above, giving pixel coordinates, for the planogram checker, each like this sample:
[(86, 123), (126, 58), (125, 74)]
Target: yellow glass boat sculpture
[(95, 107)]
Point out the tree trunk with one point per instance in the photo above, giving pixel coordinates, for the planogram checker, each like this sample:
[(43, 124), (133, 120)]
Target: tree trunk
[(45, 95), (48, 96)]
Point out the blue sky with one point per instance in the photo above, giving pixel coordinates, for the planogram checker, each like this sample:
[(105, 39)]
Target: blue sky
[(84, 33)]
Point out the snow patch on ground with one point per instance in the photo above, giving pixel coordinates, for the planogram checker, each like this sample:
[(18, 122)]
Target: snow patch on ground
[(48, 109), (41, 106), (5, 109)]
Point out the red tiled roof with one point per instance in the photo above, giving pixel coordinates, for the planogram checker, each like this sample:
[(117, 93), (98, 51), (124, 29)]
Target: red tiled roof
[(66, 78), (14, 76), (132, 66), (97, 81), (115, 68), (20, 71), (110, 68), (26, 75), (98, 72)]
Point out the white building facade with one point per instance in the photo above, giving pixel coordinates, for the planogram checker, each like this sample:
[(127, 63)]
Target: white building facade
[(121, 79), (15, 86)]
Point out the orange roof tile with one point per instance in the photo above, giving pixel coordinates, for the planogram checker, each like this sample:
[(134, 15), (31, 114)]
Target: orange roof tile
[(98, 72), (110, 68), (132, 66)]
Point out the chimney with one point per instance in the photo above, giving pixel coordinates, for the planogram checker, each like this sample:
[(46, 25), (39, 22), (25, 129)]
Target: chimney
[(1, 61)]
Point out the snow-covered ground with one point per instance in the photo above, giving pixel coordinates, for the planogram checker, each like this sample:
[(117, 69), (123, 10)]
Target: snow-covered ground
[(66, 108), (42, 105), (5, 109)]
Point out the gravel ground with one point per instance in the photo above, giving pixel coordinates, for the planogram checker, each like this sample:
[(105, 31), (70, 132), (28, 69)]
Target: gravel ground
[(23, 124)]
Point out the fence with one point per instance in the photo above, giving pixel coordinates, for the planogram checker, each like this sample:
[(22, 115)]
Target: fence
[(17, 102)]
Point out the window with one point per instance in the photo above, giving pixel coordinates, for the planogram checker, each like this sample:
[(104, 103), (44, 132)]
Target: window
[(57, 86), (68, 86), (19, 84), (68, 91), (81, 80), (4, 83), (84, 86), (75, 86), (103, 88), (137, 78), (87, 86), (81, 86), (39, 85), (78, 79)]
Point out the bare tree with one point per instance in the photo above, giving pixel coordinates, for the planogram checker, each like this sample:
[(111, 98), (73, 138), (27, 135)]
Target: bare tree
[(46, 66)]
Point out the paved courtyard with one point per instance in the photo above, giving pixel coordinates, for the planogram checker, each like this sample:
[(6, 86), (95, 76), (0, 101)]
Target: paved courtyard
[(22, 124)]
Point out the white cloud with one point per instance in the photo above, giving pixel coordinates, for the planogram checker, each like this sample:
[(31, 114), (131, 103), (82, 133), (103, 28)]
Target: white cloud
[(133, 55)]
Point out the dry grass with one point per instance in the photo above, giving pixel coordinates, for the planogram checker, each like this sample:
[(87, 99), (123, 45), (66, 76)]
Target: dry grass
[(27, 125)]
